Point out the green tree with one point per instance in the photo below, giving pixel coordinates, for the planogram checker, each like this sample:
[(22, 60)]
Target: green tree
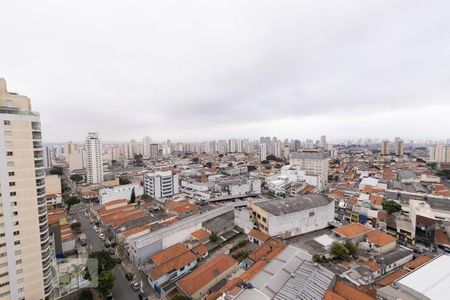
[(76, 226), (352, 248), (213, 237), (85, 295), (271, 157), (138, 160), (251, 168), (265, 162), (56, 170), (230, 164), (391, 206), (133, 196), (105, 261), (208, 164), (77, 178), (195, 160), (123, 180), (72, 200), (105, 282), (339, 251)]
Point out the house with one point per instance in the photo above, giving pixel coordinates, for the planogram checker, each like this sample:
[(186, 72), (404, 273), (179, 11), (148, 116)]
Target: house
[(394, 259), (344, 291), (197, 284), (201, 235), (354, 232), (257, 237), (381, 242), (170, 264)]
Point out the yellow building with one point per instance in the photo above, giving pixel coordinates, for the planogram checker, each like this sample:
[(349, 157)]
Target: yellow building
[(25, 255)]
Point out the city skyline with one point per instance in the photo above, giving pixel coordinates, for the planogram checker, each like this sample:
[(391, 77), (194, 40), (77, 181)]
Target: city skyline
[(174, 70)]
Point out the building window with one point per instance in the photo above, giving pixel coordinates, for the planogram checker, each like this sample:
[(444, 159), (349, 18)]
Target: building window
[(11, 173), (9, 153), (16, 243), (12, 194), (16, 233), (311, 214), (7, 122), (8, 133), (12, 183), (10, 164)]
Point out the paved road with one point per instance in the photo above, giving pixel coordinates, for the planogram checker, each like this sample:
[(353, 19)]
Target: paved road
[(122, 289)]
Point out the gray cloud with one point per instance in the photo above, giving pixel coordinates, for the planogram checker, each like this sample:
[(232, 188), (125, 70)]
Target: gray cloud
[(206, 69)]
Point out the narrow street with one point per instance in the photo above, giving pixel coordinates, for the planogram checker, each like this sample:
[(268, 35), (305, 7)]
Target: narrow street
[(122, 289)]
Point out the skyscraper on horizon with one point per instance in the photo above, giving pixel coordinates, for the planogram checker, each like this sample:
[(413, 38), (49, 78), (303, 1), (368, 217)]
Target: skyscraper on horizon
[(25, 252)]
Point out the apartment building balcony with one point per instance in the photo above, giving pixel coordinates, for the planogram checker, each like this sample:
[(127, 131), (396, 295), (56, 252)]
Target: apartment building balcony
[(16, 111)]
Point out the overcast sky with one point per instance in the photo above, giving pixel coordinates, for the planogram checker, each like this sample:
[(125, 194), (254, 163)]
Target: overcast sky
[(195, 70)]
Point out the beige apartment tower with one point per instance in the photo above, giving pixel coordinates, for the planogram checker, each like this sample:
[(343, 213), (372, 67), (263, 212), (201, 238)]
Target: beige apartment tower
[(25, 254)]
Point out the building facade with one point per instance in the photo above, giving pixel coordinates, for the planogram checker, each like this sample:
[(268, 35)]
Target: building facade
[(25, 254), (161, 184), (313, 162)]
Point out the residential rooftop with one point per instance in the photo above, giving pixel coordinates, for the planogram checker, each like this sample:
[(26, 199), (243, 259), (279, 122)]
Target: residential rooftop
[(293, 204)]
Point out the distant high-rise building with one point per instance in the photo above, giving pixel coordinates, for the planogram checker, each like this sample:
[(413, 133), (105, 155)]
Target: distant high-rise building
[(399, 147), (146, 144), (48, 157), (278, 149), (93, 158), (440, 153), (154, 151), (262, 152), (323, 142), (384, 147), (25, 251), (313, 162)]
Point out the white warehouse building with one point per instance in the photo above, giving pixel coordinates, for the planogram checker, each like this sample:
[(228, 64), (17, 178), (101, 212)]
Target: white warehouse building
[(293, 216), (120, 192), (161, 184)]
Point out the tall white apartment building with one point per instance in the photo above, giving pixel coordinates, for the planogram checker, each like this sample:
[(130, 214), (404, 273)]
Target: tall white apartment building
[(313, 162), (262, 152), (279, 149), (93, 160), (146, 144), (323, 142), (384, 147), (25, 252), (440, 153), (399, 147), (161, 184)]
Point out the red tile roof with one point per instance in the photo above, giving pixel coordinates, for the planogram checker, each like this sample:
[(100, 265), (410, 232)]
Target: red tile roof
[(260, 236), (352, 230), (192, 283), (380, 239), (169, 253), (348, 292)]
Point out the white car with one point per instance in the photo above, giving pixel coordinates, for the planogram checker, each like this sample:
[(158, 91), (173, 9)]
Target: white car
[(102, 237), (96, 229)]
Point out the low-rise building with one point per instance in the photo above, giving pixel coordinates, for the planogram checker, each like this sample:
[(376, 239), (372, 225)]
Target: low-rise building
[(170, 264), (120, 192), (353, 232), (293, 216), (197, 284)]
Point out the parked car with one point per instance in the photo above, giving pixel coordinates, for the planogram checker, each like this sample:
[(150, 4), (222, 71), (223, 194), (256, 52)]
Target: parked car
[(135, 286), (102, 237), (129, 276), (143, 296), (109, 296), (96, 229)]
